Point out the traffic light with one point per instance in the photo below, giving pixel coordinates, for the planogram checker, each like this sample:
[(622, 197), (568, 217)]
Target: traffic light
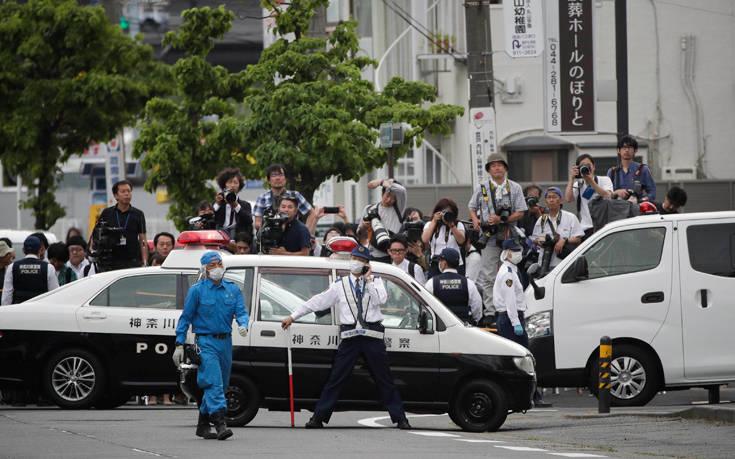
[(124, 24)]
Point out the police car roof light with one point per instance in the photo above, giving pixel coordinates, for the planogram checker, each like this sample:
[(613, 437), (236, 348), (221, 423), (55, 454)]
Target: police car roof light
[(341, 244), (204, 237)]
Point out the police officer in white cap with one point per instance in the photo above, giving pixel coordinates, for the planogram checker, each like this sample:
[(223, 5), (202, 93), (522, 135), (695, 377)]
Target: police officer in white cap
[(359, 297), (508, 295)]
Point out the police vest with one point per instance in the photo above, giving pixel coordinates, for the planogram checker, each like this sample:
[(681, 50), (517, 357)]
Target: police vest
[(451, 289), (30, 279)]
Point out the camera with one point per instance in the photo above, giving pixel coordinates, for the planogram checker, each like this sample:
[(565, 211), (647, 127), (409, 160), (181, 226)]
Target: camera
[(105, 238), (504, 213), (413, 230), (531, 201), (584, 169), (548, 246), (636, 190), (448, 216), (204, 221), (381, 237), (230, 196), (271, 231)]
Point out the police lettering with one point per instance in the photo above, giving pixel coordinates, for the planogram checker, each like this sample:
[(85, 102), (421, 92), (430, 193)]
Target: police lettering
[(159, 348), (30, 269), (451, 284)]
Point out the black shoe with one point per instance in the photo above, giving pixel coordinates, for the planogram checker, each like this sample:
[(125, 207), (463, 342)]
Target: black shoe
[(218, 419), (204, 429), (314, 424), (404, 425)]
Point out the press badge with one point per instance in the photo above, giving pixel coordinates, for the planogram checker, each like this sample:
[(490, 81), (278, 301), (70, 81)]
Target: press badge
[(123, 241)]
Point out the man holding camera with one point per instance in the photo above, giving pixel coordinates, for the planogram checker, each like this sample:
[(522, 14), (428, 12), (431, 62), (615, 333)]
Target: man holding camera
[(384, 218), (130, 248), (296, 239), (232, 214), (631, 179), (269, 201), (494, 209), (556, 233), (457, 292), (532, 193), (583, 185)]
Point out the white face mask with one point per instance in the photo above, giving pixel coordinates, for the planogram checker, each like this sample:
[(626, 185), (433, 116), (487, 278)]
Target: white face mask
[(216, 274), (515, 256), (356, 267)]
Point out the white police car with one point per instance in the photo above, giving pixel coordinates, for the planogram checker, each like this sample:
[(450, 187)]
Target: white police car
[(98, 340)]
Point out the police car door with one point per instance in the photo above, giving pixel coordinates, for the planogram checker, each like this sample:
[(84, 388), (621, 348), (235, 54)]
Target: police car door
[(134, 320), (280, 291), (412, 356)]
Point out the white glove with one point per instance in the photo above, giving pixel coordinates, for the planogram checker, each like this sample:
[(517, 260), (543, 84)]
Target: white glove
[(178, 356), (243, 331)]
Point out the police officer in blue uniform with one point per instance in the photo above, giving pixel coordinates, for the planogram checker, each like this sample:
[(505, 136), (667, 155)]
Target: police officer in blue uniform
[(456, 291), (210, 307), (359, 297), (30, 276)]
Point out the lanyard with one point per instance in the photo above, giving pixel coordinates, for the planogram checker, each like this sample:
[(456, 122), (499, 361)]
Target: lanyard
[(117, 215)]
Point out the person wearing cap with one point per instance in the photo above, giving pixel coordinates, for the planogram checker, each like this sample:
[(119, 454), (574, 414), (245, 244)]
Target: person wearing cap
[(209, 308), (496, 197), (78, 261), (456, 291), (6, 259), (562, 226), (508, 294), (30, 276), (296, 239), (358, 297)]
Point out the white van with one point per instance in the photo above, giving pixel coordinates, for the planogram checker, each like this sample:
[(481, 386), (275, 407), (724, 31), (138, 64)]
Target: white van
[(661, 286)]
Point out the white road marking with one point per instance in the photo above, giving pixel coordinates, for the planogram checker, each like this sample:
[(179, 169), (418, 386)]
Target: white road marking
[(146, 452), (373, 422), (576, 455), (472, 440), (520, 448), (433, 434)]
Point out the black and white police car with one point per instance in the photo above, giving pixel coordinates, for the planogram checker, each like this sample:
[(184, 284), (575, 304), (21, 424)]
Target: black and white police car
[(97, 341)]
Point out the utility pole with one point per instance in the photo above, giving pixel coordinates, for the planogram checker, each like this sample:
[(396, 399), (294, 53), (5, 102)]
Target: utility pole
[(621, 64)]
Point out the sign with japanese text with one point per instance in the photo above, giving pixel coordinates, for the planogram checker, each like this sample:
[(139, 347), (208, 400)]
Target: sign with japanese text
[(523, 27), (569, 66), (483, 142)]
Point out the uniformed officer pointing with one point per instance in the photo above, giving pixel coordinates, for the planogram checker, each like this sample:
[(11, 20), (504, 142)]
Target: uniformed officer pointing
[(508, 295), (210, 307), (359, 297)]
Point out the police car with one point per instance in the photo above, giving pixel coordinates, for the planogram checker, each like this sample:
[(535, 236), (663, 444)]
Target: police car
[(98, 340)]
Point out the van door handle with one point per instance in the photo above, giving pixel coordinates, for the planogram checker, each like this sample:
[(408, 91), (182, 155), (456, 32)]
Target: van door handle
[(270, 333), (703, 293), (652, 297)]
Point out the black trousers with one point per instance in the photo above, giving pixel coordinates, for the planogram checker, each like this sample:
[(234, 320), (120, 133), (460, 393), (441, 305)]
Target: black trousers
[(373, 350)]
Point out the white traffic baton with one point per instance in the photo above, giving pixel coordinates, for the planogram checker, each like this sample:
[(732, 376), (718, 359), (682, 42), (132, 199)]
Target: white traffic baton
[(290, 372)]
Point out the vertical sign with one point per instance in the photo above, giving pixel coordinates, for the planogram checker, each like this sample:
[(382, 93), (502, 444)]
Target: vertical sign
[(523, 27), (114, 166), (570, 105), (482, 141)]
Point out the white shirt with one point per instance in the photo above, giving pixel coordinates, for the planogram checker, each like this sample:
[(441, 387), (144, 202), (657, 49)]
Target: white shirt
[(374, 297), (51, 277), (79, 270), (418, 273), (230, 219), (565, 224), (475, 302), (584, 212), (440, 241), (508, 292), (474, 265)]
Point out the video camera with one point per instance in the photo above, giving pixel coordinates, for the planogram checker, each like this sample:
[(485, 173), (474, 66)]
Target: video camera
[(381, 237), (271, 230), (412, 231), (202, 222), (105, 238)]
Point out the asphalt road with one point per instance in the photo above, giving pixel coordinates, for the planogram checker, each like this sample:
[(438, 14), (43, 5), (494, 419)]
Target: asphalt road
[(571, 428)]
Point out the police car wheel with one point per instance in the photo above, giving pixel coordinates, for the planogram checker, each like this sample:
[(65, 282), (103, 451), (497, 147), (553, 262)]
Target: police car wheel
[(243, 400), (634, 376), (479, 406), (74, 379)]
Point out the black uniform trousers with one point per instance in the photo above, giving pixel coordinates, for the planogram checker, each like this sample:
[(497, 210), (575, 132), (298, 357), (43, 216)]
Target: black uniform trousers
[(505, 328), (374, 353)]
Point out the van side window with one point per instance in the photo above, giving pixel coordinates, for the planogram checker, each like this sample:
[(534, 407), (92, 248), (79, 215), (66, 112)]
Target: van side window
[(712, 248), (626, 252)]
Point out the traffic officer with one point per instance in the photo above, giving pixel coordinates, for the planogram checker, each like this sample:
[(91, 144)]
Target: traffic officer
[(359, 296), (456, 291), (508, 295), (29, 277), (210, 305)]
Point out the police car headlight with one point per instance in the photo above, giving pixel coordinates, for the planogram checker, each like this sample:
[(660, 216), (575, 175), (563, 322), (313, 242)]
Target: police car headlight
[(539, 324), (527, 363)]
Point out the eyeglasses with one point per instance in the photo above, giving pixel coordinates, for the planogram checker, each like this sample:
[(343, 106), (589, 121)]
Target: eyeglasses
[(396, 250), (76, 249), (276, 174)]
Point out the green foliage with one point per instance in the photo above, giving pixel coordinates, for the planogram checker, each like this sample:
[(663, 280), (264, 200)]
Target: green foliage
[(309, 108), (193, 135), (67, 77)]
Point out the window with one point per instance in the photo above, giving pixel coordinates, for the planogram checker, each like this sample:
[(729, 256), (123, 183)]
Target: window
[(280, 294), (539, 165), (147, 291), (626, 252), (242, 277), (712, 248), (401, 310)]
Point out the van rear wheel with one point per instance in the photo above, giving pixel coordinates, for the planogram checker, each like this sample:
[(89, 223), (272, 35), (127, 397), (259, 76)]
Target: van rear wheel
[(634, 376), (479, 406)]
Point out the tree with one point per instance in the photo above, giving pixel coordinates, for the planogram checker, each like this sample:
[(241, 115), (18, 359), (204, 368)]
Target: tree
[(309, 108), (191, 136), (67, 77)]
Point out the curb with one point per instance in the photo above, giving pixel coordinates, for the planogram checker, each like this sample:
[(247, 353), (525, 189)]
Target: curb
[(708, 413)]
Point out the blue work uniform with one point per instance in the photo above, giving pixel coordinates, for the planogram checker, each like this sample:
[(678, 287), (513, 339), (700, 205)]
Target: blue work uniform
[(209, 308)]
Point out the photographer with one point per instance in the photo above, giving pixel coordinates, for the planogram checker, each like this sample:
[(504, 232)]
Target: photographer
[(631, 179), (558, 232), (321, 212), (295, 239), (676, 197), (384, 218), (204, 218), (413, 229), (494, 208), (276, 175), (230, 213), (532, 194), (583, 185), (442, 231), (119, 235)]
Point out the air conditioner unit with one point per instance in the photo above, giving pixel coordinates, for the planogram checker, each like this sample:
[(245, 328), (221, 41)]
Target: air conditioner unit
[(678, 173)]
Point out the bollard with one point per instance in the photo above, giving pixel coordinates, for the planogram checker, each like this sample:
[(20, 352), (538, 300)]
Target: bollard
[(603, 389)]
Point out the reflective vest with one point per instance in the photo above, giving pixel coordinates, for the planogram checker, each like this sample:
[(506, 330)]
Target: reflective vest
[(30, 279), (451, 289)]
